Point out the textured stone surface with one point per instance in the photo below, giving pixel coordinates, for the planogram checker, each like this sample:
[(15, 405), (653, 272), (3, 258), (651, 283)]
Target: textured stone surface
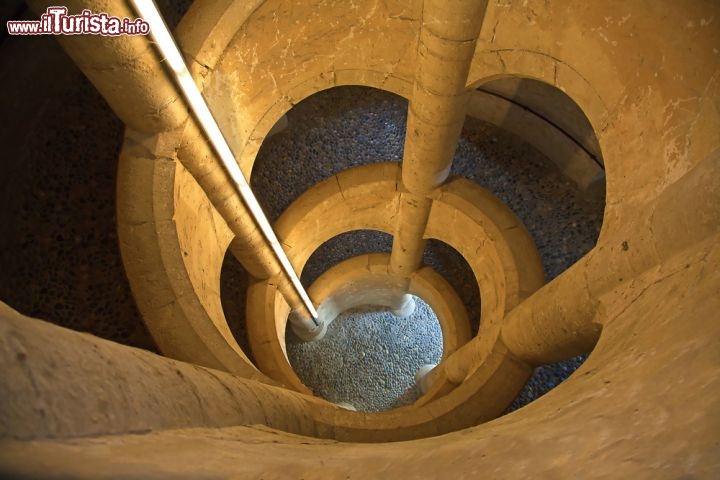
[(645, 403), (605, 422)]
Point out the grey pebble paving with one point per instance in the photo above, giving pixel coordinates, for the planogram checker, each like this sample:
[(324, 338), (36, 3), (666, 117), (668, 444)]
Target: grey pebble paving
[(356, 353)]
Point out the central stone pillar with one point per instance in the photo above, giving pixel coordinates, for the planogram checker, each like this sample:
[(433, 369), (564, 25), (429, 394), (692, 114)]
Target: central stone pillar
[(436, 115)]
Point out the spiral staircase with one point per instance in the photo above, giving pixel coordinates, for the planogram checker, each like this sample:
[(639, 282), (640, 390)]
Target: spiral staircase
[(621, 96)]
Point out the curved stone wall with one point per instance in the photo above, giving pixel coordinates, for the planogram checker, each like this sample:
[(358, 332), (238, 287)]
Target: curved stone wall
[(644, 403)]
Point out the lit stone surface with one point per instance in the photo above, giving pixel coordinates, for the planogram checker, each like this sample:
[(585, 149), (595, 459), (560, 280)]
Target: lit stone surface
[(644, 404)]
